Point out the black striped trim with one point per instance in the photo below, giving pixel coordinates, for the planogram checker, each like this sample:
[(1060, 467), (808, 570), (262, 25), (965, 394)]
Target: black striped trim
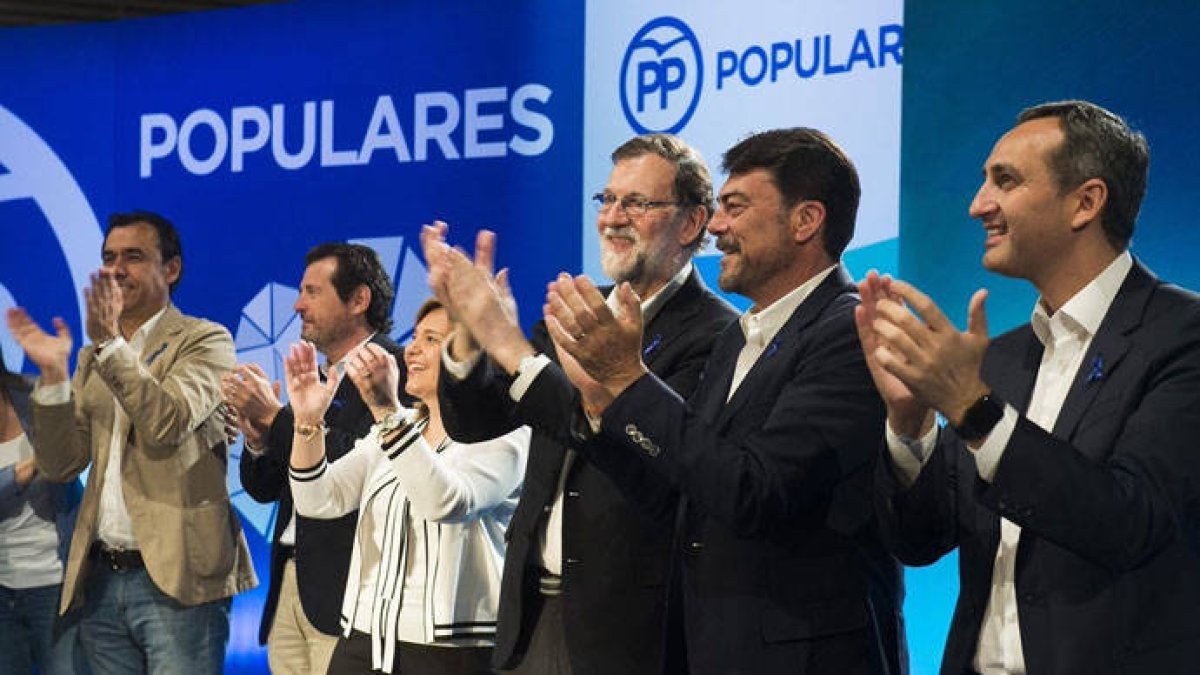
[(394, 447), (310, 474)]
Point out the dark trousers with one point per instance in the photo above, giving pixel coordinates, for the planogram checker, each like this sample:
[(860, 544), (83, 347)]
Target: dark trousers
[(352, 656), (547, 650)]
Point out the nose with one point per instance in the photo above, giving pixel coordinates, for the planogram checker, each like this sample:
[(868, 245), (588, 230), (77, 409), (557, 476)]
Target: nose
[(299, 306), (983, 203), (718, 223)]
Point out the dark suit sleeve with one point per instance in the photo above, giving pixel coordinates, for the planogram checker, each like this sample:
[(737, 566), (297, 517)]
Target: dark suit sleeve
[(823, 425), (263, 475), (919, 523), (1121, 510), (479, 407)]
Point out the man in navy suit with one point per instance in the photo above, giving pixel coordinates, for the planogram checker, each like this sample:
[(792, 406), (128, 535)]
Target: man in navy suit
[(1068, 476), (782, 569), (585, 586)]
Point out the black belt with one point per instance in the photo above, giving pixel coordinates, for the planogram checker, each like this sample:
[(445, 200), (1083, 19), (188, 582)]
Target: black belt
[(287, 552), (549, 584), (118, 559)]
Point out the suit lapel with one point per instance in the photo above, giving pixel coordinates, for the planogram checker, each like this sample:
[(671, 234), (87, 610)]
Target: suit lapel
[(782, 348), (670, 321), (1108, 348)]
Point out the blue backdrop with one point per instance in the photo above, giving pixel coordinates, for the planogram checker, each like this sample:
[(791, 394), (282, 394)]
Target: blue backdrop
[(263, 131)]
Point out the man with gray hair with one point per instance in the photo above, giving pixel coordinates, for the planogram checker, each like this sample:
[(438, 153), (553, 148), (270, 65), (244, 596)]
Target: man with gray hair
[(587, 573)]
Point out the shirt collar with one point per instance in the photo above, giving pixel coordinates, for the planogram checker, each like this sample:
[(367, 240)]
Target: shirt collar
[(139, 336), (760, 327), (340, 366), (1083, 313), (652, 305)]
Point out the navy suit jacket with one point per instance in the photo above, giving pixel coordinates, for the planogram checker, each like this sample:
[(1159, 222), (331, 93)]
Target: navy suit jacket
[(322, 546), (616, 556), (1108, 565), (779, 547)]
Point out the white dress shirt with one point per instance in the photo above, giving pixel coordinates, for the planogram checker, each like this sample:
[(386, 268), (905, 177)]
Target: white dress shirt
[(1065, 336), (114, 527), (759, 327)]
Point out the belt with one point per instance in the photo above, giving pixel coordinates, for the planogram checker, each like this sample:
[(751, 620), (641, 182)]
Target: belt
[(287, 552), (118, 559), (549, 584)]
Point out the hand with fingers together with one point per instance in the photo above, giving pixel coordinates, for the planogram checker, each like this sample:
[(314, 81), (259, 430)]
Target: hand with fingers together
[(377, 376), (254, 398), (477, 299), (606, 345), (104, 304), (49, 353), (917, 356)]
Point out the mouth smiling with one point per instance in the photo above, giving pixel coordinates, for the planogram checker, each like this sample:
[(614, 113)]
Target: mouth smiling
[(994, 232)]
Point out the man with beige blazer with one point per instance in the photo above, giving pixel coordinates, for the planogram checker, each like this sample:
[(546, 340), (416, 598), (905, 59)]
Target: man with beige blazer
[(158, 550)]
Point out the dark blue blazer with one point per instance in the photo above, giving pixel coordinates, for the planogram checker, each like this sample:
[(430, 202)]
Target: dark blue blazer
[(1108, 565), (782, 568), (616, 555), (322, 546)]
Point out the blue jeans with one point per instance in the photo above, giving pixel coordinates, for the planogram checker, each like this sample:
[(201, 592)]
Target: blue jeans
[(32, 634), (129, 626)]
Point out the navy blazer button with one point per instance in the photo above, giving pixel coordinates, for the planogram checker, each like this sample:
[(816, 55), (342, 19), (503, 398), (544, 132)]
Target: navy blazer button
[(546, 509), (572, 493), (695, 545), (572, 561)]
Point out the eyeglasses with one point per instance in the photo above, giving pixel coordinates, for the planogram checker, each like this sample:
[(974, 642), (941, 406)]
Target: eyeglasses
[(634, 207)]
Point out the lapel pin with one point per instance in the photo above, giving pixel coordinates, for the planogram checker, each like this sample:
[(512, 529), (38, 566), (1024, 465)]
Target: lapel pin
[(155, 354), (771, 349), (1097, 371), (653, 345)]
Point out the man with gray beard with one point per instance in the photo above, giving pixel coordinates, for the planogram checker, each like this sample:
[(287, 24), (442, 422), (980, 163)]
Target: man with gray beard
[(585, 586)]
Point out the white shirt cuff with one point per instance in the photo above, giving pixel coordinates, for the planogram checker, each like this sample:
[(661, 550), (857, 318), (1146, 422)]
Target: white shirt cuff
[(109, 348), (909, 454), (527, 371), (54, 394), (987, 457), (459, 370)]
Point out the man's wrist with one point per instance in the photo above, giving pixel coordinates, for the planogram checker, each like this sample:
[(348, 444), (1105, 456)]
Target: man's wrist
[(617, 384), (52, 375), (957, 411), (509, 354)]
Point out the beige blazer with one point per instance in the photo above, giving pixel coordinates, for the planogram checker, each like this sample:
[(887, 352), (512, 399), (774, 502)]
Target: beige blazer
[(174, 464)]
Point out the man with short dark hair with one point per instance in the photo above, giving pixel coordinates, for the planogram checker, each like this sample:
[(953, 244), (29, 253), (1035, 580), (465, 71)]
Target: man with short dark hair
[(586, 576), (345, 302), (1068, 475), (158, 550), (781, 564)]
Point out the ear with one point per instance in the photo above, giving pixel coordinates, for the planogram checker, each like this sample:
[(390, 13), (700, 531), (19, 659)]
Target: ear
[(1087, 202), (691, 228), (806, 220), (360, 300), (172, 269)]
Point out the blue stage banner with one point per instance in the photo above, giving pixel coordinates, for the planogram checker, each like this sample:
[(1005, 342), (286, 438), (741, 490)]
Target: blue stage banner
[(262, 131)]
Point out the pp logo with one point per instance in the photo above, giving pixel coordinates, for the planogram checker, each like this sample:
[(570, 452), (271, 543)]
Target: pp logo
[(31, 171), (661, 77)]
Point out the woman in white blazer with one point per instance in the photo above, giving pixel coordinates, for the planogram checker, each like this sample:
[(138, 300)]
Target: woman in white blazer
[(424, 576)]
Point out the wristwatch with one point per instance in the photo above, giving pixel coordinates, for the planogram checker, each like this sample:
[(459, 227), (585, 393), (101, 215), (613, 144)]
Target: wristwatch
[(980, 418)]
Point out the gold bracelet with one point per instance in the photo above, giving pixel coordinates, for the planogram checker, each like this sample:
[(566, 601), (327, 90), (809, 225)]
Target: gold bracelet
[(307, 432)]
